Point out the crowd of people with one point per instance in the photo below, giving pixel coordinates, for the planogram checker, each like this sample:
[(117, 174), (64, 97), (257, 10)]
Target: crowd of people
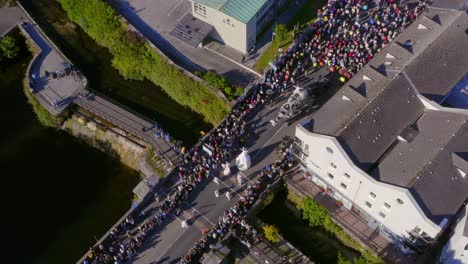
[(346, 35), (233, 218)]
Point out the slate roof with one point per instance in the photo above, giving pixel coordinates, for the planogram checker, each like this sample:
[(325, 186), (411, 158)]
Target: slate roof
[(337, 114), (371, 133), (441, 66), (241, 10), (440, 189), (435, 129), (381, 102)]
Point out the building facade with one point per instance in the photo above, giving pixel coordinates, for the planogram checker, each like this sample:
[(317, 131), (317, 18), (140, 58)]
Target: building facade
[(387, 146), (456, 249), (236, 23)]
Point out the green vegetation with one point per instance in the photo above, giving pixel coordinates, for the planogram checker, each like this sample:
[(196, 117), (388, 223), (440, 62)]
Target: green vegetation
[(135, 59), (271, 233), (43, 116), (281, 33), (313, 212), (8, 48), (156, 162), (317, 215), (222, 84), (305, 15)]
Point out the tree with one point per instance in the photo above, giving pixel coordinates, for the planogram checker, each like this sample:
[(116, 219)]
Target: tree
[(271, 233), (8, 47), (312, 211), (281, 33), (343, 260)]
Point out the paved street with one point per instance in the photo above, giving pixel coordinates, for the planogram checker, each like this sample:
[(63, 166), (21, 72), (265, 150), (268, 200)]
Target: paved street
[(171, 241), (156, 18)]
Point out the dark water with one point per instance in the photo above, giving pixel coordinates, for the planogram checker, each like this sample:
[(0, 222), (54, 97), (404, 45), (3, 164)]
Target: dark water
[(95, 62), (315, 243), (59, 192)]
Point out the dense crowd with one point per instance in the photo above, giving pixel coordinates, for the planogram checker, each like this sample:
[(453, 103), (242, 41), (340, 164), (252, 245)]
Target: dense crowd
[(345, 36)]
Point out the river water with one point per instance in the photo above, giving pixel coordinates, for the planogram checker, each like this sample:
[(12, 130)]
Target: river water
[(95, 62), (60, 193)]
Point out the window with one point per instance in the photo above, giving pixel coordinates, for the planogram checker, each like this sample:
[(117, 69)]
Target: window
[(387, 206), (400, 201), (343, 186), (329, 150), (368, 204), (417, 229), (347, 176), (382, 215), (200, 9), (333, 165), (331, 176), (306, 147), (372, 195)]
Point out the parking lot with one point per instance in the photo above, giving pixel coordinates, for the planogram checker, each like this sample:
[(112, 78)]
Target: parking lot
[(157, 18)]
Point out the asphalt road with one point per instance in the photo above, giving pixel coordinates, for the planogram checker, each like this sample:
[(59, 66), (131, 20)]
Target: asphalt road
[(169, 242)]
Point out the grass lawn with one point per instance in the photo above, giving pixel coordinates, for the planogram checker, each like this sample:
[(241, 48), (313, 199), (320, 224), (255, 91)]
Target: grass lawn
[(306, 14)]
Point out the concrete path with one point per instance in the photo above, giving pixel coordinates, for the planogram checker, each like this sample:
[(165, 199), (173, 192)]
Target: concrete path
[(126, 119), (9, 17), (155, 19), (55, 94)]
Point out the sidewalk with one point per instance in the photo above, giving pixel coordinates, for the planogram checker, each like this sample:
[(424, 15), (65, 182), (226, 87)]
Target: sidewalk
[(263, 41), (356, 227)]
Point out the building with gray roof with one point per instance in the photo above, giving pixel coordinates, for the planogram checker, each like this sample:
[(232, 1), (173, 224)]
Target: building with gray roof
[(392, 144)]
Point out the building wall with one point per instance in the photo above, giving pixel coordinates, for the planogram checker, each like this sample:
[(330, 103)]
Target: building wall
[(456, 249), (227, 30), (325, 153)]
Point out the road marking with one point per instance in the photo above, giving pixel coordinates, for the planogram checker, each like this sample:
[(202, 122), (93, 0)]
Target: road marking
[(172, 244), (193, 208), (266, 143), (180, 2)]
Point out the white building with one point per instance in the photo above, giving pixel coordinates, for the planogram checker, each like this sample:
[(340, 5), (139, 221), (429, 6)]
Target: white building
[(456, 249), (384, 147), (236, 23)]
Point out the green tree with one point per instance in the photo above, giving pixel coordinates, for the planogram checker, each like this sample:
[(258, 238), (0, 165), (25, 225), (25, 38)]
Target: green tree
[(281, 33), (343, 260), (271, 233), (8, 47), (315, 213)]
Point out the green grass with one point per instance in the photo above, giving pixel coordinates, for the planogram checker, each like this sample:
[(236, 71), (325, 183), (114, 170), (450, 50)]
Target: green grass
[(136, 60), (307, 13)]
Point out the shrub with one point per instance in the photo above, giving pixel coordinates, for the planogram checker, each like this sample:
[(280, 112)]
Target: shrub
[(343, 260), (43, 116), (222, 84), (281, 33), (8, 47), (313, 212), (271, 233), (135, 59)]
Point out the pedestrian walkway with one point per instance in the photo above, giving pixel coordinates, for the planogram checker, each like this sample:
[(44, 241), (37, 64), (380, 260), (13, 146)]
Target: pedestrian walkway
[(355, 226), (126, 119), (52, 78)]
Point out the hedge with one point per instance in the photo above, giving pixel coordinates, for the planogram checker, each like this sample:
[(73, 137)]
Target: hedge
[(135, 59)]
